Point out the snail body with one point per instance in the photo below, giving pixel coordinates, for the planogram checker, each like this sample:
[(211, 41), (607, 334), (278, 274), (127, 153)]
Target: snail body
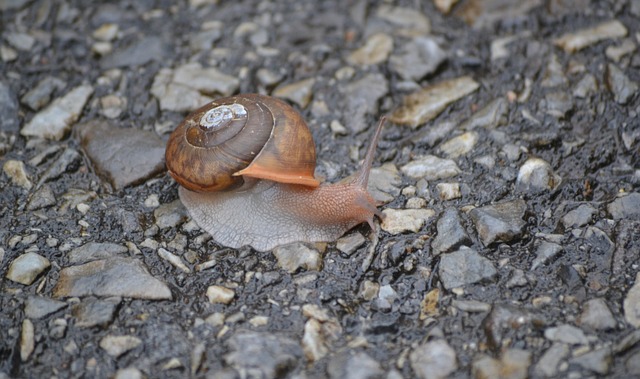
[(246, 165)]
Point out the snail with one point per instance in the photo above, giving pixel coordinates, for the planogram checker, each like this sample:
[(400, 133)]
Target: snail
[(245, 165)]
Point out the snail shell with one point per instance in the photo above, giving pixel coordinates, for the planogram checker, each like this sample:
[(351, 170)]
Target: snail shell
[(247, 135)]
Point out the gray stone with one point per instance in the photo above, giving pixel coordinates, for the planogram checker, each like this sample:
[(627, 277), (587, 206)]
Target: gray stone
[(633, 364), (124, 157), (129, 373), (295, 256), (566, 333), (544, 252), (115, 346), (550, 361), (430, 167), (361, 99), (16, 171), (587, 86), (9, 108), (39, 307), (448, 191), (386, 297), (572, 42), (26, 268), (138, 53), (376, 49), (558, 104), (92, 312), (417, 58), (553, 75), (615, 53), (491, 116), (472, 306), (174, 260), (580, 216), (433, 360), (207, 80), (459, 145), (40, 95), (262, 355), (54, 121), (384, 183), (513, 364), (27, 340), (92, 251), (220, 294), (451, 234), (463, 267), (596, 315), (620, 85), (536, 175), (348, 244), (21, 41), (176, 97), (398, 221), (63, 162), (41, 198), (357, 365), (598, 361), (500, 222), (125, 277), (406, 21), (300, 92), (625, 206), (631, 304), (169, 215)]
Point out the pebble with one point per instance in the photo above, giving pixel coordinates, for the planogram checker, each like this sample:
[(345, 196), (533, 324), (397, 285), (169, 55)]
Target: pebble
[(138, 53), (115, 346), (27, 340), (26, 268), (445, 6), (536, 175), (124, 277), (417, 58), (295, 256), (587, 86), (625, 206), (501, 222), (491, 116), (205, 39), (451, 234), (553, 75), (369, 290), (596, 315), (268, 78), (38, 307), (386, 297), (112, 105), (8, 54), (92, 251), (549, 363), (41, 198), (460, 145), (430, 167), (513, 364), (220, 295), (54, 121), (448, 191), (463, 267), (40, 95), (361, 98), (425, 105), (174, 260), (106, 32), (170, 215), (384, 183), (579, 217), (21, 41), (415, 203), (264, 355), (176, 97), (314, 344), (206, 80), (92, 312), (407, 21), (558, 104), (598, 361), (300, 92), (63, 162), (616, 52), (472, 306), (122, 156), (631, 304), (9, 109), (487, 13), (572, 42), (620, 85), (354, 365), (16, 171), (376, 49), (566, 333), (545, 251), (433, 360), (397, 221), (350, 243), (129, 373)]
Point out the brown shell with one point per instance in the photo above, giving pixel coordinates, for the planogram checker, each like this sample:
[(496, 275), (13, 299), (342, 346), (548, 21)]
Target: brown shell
[(272, 142)]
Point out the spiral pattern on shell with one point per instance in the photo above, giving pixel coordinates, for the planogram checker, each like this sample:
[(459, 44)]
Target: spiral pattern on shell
[(246, 135)]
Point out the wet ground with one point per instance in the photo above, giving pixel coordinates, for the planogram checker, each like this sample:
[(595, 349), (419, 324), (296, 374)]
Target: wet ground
[(510, 177)]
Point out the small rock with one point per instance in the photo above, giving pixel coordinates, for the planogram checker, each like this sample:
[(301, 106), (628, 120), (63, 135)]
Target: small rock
[(587, 86), (631, 304), (553, 75), (92, 312), (56, 119), (40, 95), (26, 268), (39, 307), (544, 252), (448, 191), (464, 266), (445, 6), (138, 53), (173, 259), (397, 221), (579, 217), (419, 57), (41, 198), (598, 361), (596, 315), (113, 105), (92, 251), (386, 296), (504, 320), (208, 80), (625, 206), (361, 99), (471, 306), (176, 97), (407, 21), (16, 172), (220, 295), (572, 42), (124, 277), (558, 104), (170, 215), (620, 85), (21, 41), (265, 355), (350, 243), (115, 346), (297, 255), (369, 290), (66, 160), (384, 183), (433, 360), (633, 364), (27, 340), (500, 222), (357, 365), (566, 334), (299, 92), (9, 109), (451, 234), (129, 373), (375, 50), (415, 203), (313, 341), (549, 363), (615, 53), (430, 167), (513, 364), (106, 32), (426, 104), (460, 145), (536, 175)]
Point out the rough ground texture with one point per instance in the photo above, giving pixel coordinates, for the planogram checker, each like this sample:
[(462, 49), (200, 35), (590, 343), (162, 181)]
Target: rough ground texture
[(511, 246)]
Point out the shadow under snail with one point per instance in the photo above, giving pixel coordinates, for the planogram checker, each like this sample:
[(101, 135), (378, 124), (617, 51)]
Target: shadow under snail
[(246, 166)]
